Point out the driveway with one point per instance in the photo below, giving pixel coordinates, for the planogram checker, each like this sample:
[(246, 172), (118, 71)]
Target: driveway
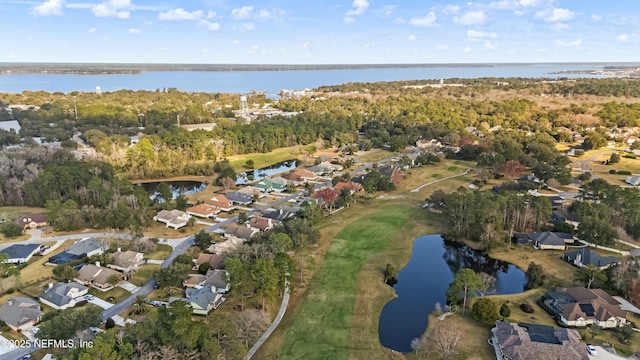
[(603, 354), (128, 286), (6, 345), (103, 304)]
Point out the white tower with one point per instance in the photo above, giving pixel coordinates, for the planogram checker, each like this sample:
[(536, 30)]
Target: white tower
[(243, 104), (98, 90)]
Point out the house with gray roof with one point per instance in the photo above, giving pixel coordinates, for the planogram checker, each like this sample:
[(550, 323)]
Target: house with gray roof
[(61, 296), (20, 253), (240, 198), (20, 313), (202, 300), (10, 126), (214, 277), (243, 232), (278, 214), (532, 342), (81, 249), (633, 180), (583, 257)]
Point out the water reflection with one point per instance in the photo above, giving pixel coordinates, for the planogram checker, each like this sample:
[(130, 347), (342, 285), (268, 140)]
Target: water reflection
[(177, 188), (424, 281), (249, 177)]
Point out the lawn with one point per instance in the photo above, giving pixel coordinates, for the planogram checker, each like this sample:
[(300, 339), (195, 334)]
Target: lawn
[(160, 230), (144, 274), (261, 160), (375, 155), (550, 260), (161, 253), (35, 271), (321, 327), (117, 293)]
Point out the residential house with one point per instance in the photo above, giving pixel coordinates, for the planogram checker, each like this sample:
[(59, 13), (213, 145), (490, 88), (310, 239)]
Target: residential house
[(583, 257), (533, 342), (263, 224), (20, 253), (580, 307), (243, 232), (253, 191), (330, 166), (558, 202), (10, 126), (354, 187), (563, 215), (20, 313), (61, 296), (202, 300), (81, 249), (127, 262), (267, 185), (240, 198), (633, 180), (548, 240), (319, 170), (392, 172), (305, 174), (173, 218), (229, 245), (214, 261), (96, 276), (32, 221), (279, 180), (631, 139), (221, 202), (428, 144), (203, 210), (214, 277), (278, 214)]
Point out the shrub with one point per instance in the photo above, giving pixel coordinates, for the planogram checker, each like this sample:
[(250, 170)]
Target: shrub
[(624, 172), (612, 171), (11, 290), (527, 308), (630, 156), (110, 324), (485, 311)]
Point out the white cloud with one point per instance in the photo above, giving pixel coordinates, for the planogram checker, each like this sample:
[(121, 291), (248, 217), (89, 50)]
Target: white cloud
[(573, 43), (180, 14), (471, 18), (48, 8), (204, 51), (623, 37), (91, 30), (477, 34), (504, 5), (425, 21), (530, 3), (560, 26), (113, 8), (489, 45), (399, 21), (451, 9), (242, 13), (211, 14), (555, 14), (247, 26), (411, 37), (596, 17), (359, 7), (263, 15), (442, 46), (306, 45), (147, 22), (467, 49), (211, 26), (236, 41), (134, 31), (348, 20), (386, 11)]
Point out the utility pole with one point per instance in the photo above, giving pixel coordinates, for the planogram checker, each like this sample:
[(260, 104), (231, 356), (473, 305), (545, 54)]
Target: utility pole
[(75, 108), (178, 116)]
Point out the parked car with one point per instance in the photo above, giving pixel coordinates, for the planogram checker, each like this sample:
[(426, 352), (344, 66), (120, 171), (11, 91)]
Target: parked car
[(592, 350), (89, 297)]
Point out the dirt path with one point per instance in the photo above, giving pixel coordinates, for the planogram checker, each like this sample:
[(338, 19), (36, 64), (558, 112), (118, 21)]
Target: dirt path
[(439, 180)]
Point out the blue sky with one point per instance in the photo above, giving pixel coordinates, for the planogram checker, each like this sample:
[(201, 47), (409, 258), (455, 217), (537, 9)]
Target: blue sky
[(319, 32)]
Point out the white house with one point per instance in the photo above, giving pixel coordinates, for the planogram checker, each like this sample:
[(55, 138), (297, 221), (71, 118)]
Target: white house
[(173, 218)]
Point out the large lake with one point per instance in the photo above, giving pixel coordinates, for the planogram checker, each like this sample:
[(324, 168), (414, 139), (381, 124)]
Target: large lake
[(273, 81), (424, 281)]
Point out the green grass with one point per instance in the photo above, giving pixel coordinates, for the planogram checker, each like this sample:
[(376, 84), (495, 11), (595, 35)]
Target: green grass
[(144, 274), (270, 158), (452, 168), (117, 293), (376, 155), (435, 176), (322, 324), (162, 252)]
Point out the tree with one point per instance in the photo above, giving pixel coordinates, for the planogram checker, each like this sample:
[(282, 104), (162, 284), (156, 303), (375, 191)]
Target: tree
[(64, 324), (594, 330), (251, 324), (513, 168), (327, 197), (242, 218), (202, 240), (227, 183), (249, 164), (597, 231), (265, 275), (11, 229), (624, 333), (113, 279), (140, 305), (615, 158), (203, 268), (164, 191), (505, 310), (594, 141), (110, 323), (467, 282), (182, 202), (590, 275), (485, 310), (446, 338), (64, 272), (488, 281), (535, 276), (172, 275)]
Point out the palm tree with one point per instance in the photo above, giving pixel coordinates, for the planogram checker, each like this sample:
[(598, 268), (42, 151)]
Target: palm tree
[(140, 305)]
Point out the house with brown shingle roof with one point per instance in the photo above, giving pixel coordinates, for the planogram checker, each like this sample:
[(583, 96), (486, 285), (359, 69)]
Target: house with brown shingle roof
[(221, 202), (354, 187), (534, 342), (263, 224), (127, 262), (96, 276), (579, 306), (214, 261), (243, 232), (252, 191), (203, 210), (32, 221)]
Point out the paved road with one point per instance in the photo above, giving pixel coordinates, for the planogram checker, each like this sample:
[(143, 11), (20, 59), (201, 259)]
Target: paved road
[(272, 327)]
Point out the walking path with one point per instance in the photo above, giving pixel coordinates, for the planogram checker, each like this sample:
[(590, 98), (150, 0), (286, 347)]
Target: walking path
[(443, 179), (621, 252), (272, 327)]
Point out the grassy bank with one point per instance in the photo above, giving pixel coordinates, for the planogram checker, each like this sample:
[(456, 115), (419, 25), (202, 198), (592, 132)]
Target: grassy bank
[(322, 324)]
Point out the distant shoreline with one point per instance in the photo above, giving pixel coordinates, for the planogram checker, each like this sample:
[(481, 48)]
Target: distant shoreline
[(115, 69)]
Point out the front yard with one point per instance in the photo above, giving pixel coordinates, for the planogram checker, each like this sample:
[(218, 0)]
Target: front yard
[(144, 274)]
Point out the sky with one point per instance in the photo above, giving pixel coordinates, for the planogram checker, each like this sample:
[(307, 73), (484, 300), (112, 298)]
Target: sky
[(319, 31)]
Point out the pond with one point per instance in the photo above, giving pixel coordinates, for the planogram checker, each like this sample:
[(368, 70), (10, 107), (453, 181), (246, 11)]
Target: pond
[(424, 281), (248, 177), (177, 188)]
